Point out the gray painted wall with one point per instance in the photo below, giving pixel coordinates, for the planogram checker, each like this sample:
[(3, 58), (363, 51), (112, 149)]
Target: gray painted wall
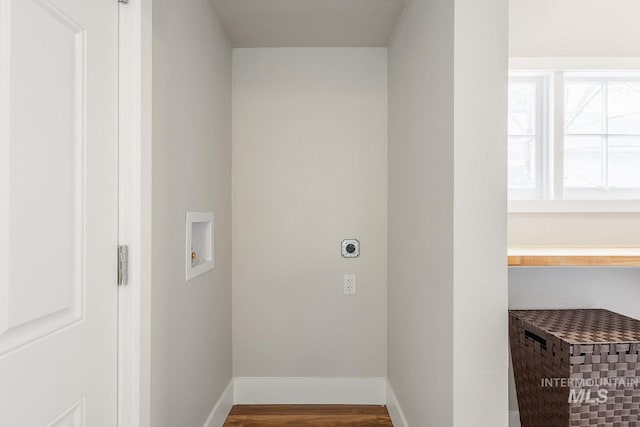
[(191, 322), (309, 169)]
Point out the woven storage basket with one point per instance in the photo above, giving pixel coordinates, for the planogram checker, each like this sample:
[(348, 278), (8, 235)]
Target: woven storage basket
[(576, 367)]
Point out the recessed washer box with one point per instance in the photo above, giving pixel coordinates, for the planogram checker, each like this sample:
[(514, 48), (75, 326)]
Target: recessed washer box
[(199, 256)]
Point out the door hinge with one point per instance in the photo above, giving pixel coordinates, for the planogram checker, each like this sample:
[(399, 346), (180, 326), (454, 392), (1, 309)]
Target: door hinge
[(123, 1), (123, 264)]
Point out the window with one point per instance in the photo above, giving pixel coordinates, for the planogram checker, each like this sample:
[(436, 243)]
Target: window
[(527, 138), (574, 135)]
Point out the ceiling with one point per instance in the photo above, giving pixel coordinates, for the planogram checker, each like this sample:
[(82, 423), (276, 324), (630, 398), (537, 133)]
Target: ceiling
[(308, 23)]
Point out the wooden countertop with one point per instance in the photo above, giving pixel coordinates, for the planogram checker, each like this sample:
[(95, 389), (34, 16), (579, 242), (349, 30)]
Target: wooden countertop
[(542, 256)]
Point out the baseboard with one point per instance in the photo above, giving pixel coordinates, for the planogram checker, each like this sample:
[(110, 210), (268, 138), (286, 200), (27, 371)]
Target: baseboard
[(309, 390), (313, 390), (514, 419), (393, 406), (222, 407)]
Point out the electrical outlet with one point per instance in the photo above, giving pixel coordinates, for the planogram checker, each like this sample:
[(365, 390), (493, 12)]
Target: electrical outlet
[(351, 248), (349, 284)]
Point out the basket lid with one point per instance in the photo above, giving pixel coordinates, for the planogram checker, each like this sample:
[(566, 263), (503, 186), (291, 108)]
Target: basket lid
[(583, 325)]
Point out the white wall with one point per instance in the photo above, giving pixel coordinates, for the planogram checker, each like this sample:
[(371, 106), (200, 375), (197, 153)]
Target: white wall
[(573, 287), (589, 28), (479, 208), (447, 213), (568, 229), (191, 322), (574, 28), (420, 334), (309, 169)]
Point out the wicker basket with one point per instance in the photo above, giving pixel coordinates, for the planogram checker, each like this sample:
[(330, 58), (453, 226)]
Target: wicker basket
[(576, 367)]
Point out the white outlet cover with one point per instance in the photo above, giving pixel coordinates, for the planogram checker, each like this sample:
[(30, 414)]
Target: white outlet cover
[(350, 284)]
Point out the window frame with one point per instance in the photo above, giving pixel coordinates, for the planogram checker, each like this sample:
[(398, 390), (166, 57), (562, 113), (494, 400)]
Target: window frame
[(543, 113), (552, 194)]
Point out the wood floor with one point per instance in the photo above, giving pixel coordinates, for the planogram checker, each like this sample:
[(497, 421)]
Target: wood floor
[(308, 416)]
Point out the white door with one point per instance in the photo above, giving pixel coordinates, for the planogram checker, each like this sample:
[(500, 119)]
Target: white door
[(58, 212)]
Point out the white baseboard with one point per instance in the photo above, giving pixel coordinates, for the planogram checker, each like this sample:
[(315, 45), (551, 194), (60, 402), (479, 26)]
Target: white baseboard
[(313, 390), (309, 390), (393, 406), (222, 408), (514, 419)]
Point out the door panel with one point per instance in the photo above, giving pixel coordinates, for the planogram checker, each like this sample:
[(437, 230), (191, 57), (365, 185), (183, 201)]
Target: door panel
[(58, 212), (72, 417), (46, 174)]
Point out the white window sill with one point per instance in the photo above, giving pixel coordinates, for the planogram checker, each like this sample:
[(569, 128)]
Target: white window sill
[(574, 206)]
